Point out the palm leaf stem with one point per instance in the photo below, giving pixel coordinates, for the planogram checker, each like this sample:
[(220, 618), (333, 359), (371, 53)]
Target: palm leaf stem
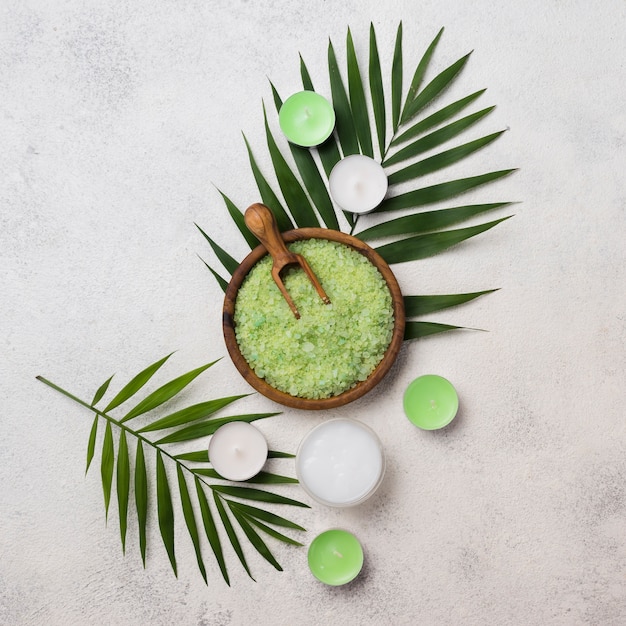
[(355, 221)]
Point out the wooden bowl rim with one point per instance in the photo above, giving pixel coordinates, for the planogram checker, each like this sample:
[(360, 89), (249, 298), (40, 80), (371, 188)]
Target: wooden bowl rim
[(361, 388)]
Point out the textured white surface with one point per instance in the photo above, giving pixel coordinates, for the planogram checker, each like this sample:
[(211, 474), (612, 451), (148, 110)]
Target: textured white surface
[(118, 118)]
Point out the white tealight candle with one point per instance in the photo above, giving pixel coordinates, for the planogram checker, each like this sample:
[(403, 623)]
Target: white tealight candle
[(237, 451), (358, 184), (340, 462)]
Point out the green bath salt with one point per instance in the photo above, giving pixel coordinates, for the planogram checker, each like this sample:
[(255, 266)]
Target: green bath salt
[(332, 346)]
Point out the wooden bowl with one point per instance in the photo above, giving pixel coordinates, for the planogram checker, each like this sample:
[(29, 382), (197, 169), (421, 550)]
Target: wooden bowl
[(360, 388)]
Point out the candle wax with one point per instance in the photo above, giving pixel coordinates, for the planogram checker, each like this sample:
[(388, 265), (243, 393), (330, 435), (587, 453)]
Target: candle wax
[(340, 462), (306, 118), (237, 451), (431, 402), (358, 184), (335, 557)]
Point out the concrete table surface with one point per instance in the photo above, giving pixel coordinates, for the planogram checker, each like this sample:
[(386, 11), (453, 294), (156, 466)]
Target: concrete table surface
[(120, 121)]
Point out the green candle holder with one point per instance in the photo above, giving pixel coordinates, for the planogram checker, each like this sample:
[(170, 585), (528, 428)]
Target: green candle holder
[(431, 402), (335, 557), (307, 118)]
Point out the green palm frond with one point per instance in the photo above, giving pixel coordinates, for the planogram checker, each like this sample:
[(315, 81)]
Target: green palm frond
[(157, 490), (422, 120)]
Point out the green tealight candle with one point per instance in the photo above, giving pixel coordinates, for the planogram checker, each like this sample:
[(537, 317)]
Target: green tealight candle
[(335, 557), (431, 402), (306, 118)]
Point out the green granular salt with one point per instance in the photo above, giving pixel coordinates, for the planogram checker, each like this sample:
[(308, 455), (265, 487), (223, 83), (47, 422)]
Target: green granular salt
[(331, 347)]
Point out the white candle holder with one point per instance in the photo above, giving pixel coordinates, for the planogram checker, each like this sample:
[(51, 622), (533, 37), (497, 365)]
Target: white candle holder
[(238, 451), (340, 463), (358, 184)]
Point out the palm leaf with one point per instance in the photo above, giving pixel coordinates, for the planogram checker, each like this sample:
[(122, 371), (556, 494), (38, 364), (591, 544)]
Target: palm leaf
[(329, 155), (165, 510), (396, 80), (123, 485), (311, 177), (377, 92), (436, 138), (275, 454), (205, 429), (423, 246), (440, 116), (442, 160), (202, 456), (344, 124), (254, 538), (272, 532), (427, 221), (226, 260), (269, 478), (357, 100), (419, 73), (220, 281), (422, 305), (433, 89), (307, 83), (141, 498), (230, 532), (329, 150), (237, 217), (262, 478), (297, 201), (164, 501), (191, 413), (248, 493), (190, 519), (135, 384), (165, 392), (101, 391), (439, 192), (91, 444), (106, 466), (211, 530), (417, 330), (266, 516), (267, 194), (315, 186)]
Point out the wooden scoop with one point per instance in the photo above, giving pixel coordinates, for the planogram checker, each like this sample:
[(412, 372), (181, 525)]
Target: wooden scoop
[(261, 222)]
